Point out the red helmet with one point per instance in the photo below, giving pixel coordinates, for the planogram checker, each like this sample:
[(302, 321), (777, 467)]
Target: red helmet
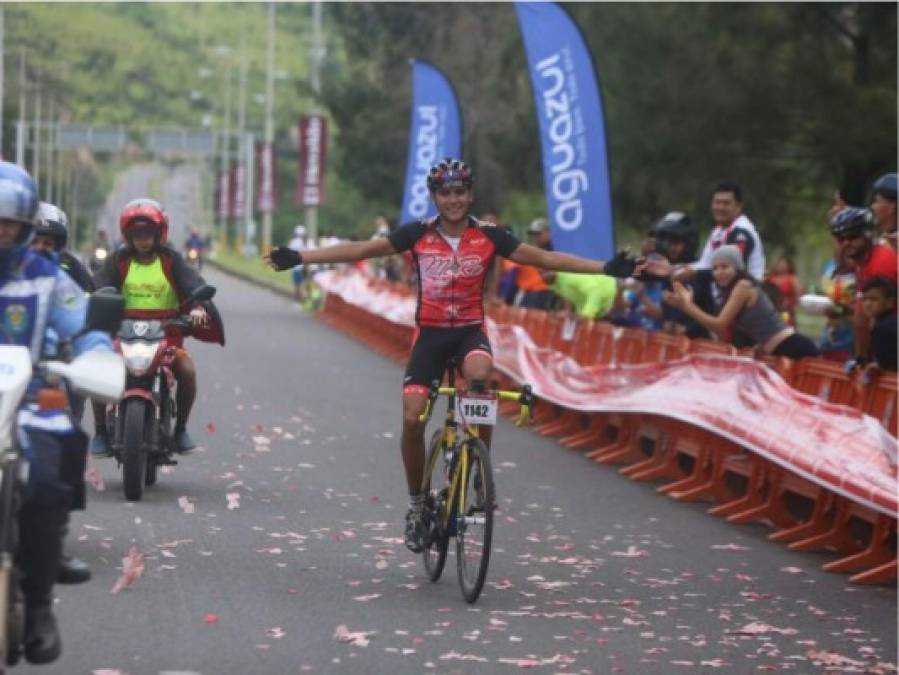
[(140, 211)]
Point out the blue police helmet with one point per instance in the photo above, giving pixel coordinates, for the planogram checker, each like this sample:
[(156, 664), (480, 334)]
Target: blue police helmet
[(18, 199)]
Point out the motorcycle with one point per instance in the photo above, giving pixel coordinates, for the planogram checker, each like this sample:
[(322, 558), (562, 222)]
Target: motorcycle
[(195, 258), (141, 428), (100, 375)]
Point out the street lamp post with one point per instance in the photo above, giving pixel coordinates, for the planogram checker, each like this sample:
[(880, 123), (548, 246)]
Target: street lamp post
[(36, 148), (269, 119), (224, 52), (317, 54), (20, 128), (242, 140)]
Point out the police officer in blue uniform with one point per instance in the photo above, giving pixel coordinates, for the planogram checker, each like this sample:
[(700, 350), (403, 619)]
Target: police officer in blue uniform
[(40, 304)]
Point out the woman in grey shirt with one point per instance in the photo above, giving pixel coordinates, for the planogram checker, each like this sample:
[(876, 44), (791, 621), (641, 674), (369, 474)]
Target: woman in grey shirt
[(745, 307)]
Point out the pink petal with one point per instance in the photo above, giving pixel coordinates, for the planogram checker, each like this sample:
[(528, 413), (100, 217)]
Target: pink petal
[(233, 500), (210, 428), (210, 618), (95, 479), (132, 569)]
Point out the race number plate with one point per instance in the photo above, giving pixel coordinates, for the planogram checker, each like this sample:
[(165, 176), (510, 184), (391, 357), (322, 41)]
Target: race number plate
[(478, 409)]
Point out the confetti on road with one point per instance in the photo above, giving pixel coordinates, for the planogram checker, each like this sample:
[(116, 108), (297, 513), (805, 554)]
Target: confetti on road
[(186, 505), (94, 478), (355, 638), (456, 656), (792, 570), (760, 628), (132, 570), (631, 552)]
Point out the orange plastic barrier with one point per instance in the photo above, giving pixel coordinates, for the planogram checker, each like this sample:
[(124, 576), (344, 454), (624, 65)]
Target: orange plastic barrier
[(694, 463)]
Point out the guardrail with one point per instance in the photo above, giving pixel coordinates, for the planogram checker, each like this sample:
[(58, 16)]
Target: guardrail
[(817, 462)]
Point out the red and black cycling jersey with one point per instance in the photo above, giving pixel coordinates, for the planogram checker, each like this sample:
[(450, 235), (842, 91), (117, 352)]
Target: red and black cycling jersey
[(451, 282)]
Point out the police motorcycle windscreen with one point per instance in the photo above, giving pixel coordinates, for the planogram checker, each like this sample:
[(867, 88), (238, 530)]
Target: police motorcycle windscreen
[(15, 374), (100, 375)]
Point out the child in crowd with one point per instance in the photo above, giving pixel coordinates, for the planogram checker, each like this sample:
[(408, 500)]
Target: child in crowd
[(879, 305), (837, 341), (783, 276), (745, 308)]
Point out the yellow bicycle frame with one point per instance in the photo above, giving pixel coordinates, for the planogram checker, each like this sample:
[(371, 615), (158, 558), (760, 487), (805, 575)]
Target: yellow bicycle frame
[(448, 440)]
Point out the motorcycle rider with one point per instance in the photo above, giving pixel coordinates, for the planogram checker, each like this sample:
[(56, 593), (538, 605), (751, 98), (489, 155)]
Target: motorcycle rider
[(51, 234), (40, 302), (195, 243), (155, 281)]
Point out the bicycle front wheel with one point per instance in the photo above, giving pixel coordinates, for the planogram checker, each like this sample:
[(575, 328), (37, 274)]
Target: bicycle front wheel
[(475, 522), (435, 491)]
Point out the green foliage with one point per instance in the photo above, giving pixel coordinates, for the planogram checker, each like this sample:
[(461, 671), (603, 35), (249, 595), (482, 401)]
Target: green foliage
[(790, 99)]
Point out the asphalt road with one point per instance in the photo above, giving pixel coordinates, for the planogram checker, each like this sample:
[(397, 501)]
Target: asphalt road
[(299, 425), (177, 188)]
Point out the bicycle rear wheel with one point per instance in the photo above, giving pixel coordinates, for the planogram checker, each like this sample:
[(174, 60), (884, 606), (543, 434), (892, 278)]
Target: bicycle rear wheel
[(434, 554), (475, 525)]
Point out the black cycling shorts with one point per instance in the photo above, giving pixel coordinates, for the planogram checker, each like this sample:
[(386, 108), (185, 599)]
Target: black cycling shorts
[(433, 348)]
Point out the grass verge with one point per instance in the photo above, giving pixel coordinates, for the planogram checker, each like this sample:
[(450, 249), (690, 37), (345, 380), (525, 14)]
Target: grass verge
[(253, 268)]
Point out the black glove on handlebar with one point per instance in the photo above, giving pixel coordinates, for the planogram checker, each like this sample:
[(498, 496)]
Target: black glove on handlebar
[(621, 266), (284, 258)]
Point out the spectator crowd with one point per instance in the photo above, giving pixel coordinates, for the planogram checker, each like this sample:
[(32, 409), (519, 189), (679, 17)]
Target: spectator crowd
[(722, 290)]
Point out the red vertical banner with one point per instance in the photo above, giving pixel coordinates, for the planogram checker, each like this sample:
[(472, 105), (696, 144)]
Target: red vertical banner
[(313, 153), (232, 184), (266, 184), (240, 190), (224, 194)]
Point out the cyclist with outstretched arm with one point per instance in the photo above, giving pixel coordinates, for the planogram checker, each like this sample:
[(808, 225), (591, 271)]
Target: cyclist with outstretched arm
[(453, 253)]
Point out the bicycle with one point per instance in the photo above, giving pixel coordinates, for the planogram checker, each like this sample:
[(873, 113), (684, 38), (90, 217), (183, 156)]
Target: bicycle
[(459, 490)]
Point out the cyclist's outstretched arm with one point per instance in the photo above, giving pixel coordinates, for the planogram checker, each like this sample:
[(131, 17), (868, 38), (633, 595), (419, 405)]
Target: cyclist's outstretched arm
[(348, 252), (619, 266)]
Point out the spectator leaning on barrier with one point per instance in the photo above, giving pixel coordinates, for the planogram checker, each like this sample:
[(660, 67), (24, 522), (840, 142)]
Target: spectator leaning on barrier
[(638, 304), (535, 292), (589, 296), (676, 237), (838, 284), (879, 304), (746, 309), (883, 206), (853, 229)]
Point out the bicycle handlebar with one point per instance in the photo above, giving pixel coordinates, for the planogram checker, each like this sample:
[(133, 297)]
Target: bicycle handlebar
[(525, 397)]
